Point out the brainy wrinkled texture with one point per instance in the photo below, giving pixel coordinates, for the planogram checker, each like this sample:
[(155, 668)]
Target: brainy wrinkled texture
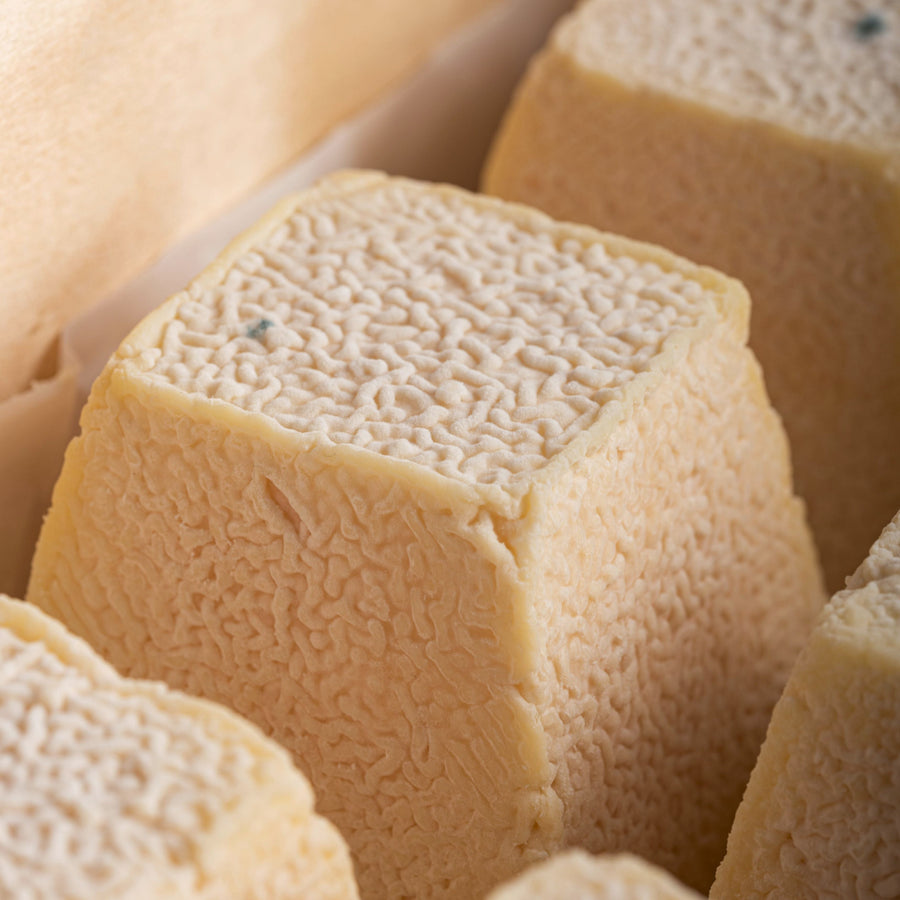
[(445, 334), (118, 789), (577, 875), (484, 636), (763, 139), (820, 815)]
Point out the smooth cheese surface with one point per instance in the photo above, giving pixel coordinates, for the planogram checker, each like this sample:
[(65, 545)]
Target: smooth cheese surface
[(577, 875), (491, 525), (763, 139), (820, 814), (118, 789)]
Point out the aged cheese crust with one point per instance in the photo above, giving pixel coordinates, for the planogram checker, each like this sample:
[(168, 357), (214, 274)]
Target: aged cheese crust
[(119, 789), (495, 549), (577, 875), (820, 815), (764, 139)]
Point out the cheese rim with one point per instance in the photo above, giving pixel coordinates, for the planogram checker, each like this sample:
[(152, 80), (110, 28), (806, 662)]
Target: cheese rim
[(731, 307)]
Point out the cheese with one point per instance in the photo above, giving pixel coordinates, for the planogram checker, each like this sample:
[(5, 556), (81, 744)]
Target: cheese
[(577, 875), (116, 790), (125, 126), (821, 814), (764, 139), (486, 518)]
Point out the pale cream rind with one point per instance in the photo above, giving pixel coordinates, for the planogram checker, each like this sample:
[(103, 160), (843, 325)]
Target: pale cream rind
[(764, 139), (821, 814), (116, 790), (491, 526), (577, 875)]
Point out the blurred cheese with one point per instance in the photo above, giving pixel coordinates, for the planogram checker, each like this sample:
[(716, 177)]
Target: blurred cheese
[(485, 517), (576, 875), (117, 790), (764, 139), (125, 125), (821, 815)]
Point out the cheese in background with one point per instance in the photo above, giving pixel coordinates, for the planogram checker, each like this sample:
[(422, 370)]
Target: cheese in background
[(485, 517), (117, 790), (764, 139), (35, 427), (576, 875), (125, 125), (821, 814)]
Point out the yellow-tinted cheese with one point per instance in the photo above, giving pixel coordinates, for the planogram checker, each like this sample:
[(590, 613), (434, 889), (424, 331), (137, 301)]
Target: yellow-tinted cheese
[(762, 138), (821, 815), (486, 518), (113, 789), (576, 875)]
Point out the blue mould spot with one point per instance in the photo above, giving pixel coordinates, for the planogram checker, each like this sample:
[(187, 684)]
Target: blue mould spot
[(870, 25), (259, 329)]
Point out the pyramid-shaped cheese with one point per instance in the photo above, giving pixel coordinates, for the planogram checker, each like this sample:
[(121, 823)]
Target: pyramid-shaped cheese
[(486, 518), (821, 815), (112, 789), (761, 138), (576, 875)]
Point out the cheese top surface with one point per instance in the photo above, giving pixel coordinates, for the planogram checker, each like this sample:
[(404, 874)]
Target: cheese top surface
[(474, 338), (103, 783), (828, 67)]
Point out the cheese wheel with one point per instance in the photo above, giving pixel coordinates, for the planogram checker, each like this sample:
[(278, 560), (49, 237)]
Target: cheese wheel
[(125, 126), (114, 789), (764, 139), (487, 518), (577, 875), (821, 815)]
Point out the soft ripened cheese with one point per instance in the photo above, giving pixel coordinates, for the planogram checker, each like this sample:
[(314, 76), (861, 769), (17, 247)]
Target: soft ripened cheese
[(576, 875), (112, 789), (485, 517), (764, 139), (821, 815)]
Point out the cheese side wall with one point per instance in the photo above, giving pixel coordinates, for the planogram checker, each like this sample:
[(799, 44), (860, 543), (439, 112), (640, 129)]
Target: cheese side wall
[(665, 644)]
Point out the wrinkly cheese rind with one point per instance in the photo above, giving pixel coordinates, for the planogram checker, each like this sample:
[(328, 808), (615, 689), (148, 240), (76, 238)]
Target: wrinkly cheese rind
[(813, 65), (483, 636), (820, 814), (127, 127), (577, 875), (119, 789), (763, 139)]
